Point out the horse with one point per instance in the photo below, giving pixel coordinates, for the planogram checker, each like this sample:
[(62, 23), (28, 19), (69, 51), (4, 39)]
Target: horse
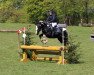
[(52, 32)]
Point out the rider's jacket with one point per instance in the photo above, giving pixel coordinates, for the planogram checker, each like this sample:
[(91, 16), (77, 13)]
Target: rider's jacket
[(52, 18)]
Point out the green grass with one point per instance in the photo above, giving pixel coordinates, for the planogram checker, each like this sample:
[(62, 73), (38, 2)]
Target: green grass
[(10, 63)]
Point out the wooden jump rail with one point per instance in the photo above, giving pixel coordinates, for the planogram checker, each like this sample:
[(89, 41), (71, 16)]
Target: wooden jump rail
[(8, 31), (53, 50)]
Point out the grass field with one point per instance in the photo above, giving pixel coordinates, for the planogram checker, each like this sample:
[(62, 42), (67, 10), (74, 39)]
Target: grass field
[(9, 58)]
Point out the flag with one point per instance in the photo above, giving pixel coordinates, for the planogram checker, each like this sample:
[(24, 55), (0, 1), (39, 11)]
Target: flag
[(23, 29), (19, 31)]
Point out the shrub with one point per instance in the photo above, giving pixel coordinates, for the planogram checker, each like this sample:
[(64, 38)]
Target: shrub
[(28, 41), (72, 55)]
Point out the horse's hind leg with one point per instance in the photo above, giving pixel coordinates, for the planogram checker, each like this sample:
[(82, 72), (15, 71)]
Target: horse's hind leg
[(40, 36), (65, 41), (65, 38), (60, 40)]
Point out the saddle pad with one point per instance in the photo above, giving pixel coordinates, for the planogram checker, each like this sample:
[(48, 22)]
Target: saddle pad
[(62, 25)]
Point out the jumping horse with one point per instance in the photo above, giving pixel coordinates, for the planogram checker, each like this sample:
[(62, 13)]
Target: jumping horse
[(52, 32)]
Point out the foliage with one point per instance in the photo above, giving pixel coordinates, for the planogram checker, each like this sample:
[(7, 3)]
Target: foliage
[(72, 55), (12, 11), (28, 41), (38, 10), (29, 37), (69, 11)]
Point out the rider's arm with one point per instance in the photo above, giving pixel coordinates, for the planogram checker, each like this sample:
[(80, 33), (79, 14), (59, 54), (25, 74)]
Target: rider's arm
[(48, 19), (53, 18)]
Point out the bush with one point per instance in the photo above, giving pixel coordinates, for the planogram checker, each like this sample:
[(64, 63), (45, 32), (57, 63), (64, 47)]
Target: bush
[(72, 55), (28, 41), (4, 16)]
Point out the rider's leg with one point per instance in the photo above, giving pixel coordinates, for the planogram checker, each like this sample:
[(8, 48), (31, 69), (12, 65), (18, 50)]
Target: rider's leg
[(64, 29), (54, 24)]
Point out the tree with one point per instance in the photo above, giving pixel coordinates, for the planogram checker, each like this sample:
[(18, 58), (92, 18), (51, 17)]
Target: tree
[(37, 9), (69, 11)]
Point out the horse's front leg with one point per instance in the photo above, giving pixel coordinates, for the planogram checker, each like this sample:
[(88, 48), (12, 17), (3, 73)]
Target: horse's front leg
[(36, 32), (40, 36)]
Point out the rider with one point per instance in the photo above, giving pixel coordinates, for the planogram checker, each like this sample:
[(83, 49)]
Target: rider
[(52, 18)]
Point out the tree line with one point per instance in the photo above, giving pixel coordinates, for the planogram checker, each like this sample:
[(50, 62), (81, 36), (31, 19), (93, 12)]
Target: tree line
[(71, 12)]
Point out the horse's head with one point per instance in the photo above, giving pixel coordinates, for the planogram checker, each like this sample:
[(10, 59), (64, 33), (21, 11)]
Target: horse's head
[(39, 27)]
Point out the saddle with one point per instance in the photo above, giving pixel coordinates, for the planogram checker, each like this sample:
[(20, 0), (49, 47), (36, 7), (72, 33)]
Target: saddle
[(54, 30), (57, 29)]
